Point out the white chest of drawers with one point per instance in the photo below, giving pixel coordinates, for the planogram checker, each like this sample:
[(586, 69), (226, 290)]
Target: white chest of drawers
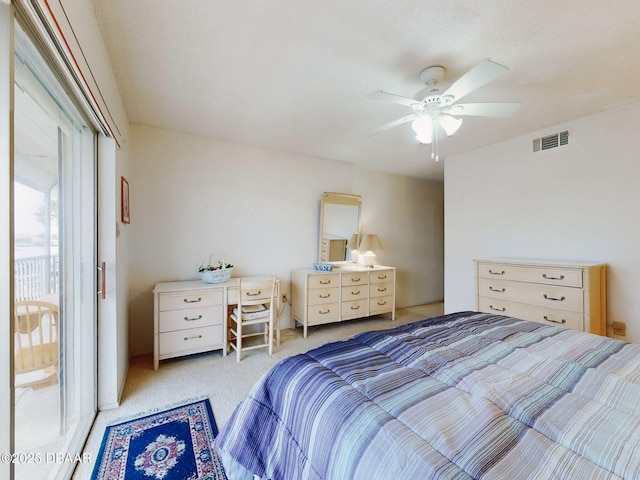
[(342, 294), (568, 294), (189, 317)]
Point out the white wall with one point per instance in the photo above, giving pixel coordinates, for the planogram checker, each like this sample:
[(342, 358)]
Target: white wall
[(578, 202), (192, 196), (113, 361)]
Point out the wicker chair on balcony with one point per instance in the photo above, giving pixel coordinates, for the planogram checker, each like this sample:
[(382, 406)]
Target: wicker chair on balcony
[(36, 344)]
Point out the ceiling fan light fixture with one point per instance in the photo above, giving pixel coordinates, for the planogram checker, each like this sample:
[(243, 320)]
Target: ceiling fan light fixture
[(449, 124), (423, 127)]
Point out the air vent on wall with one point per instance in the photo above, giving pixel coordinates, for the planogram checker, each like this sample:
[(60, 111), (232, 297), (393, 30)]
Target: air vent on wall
[(551, 141)]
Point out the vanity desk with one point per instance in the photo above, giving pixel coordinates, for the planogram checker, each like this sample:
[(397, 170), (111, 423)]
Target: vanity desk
[(348, 291), (190, 316)]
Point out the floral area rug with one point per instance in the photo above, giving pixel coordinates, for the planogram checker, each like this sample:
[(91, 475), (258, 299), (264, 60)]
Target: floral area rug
[(175, 444)]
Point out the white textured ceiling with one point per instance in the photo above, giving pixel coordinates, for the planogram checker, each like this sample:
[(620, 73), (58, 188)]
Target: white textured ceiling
[(294, 75)]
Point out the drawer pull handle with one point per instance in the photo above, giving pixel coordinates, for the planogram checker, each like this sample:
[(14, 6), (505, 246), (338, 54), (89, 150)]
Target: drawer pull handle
[(324, 296), (355, 279), (382, 277), (548, 277), (382, 303), (561, 299), (190, 338), (325, 282), (251, 294), (501, 272), (382, 289), (187, 319), (323, 312), (497, 289), (355, 293), (562, 322), (357, 307), (497, 309), (193, 301)]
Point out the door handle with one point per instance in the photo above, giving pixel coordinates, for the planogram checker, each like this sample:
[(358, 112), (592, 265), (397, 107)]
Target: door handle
[(102, 268)]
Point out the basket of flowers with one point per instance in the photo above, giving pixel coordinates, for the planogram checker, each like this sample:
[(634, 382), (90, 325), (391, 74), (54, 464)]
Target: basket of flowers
[(215, 272)]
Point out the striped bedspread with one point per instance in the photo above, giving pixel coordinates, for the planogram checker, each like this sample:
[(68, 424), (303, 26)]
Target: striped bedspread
[(466, 395)]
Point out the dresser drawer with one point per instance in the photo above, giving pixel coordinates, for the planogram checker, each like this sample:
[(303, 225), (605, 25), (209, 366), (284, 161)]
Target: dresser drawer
[(203, 298), (355, 292), (563, 298), (319, 296), (355, 309), (190, 318), (324, 281), (546, 275), (548, 316), (380, 304), (324, 250), (190, 341), (381, 289), (359, 278), (381, 276), (327, 313)]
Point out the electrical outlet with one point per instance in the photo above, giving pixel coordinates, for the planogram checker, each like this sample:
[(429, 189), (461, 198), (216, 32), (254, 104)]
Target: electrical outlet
[(619, 328)]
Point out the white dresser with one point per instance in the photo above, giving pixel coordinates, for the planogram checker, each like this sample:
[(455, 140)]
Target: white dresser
[(568, 294), (345, 293), (188, 317)]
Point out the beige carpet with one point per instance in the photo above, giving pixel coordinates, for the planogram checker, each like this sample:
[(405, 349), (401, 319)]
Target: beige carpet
[(222, 379)]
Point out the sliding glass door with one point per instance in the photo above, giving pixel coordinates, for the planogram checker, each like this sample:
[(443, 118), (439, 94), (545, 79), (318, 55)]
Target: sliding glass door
[(54, 245)]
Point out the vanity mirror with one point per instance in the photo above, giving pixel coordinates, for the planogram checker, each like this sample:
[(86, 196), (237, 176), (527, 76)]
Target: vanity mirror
[(339, 221)]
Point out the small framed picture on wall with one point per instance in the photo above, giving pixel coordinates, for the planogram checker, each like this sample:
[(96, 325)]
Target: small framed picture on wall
[(126, 206)]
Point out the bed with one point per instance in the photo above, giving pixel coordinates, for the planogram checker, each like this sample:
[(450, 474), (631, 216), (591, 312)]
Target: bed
[(464, 395)]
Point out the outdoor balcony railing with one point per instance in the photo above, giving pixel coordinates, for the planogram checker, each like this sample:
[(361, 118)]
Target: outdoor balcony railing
[(36, 276)]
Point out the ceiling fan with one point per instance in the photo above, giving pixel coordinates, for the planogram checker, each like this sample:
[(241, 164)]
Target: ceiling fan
[(434, 112)]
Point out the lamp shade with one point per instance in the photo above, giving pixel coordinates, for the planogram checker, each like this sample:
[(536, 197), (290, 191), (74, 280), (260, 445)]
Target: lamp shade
[(450, 124), (370, 243), (425, 126), (353, 242)]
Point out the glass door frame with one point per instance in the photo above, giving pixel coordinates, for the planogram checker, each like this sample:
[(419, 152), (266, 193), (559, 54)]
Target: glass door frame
[(83, 302), (6, 240)]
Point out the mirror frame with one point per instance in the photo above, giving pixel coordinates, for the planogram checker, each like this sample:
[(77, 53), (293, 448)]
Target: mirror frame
[(332, 198)]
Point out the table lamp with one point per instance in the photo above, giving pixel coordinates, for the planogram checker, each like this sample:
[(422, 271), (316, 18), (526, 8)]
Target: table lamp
[(353, 245), (369, 244)]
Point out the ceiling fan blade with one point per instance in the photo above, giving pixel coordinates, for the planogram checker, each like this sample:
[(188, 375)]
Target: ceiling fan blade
[(503, 110), (484, 72), (392, 97), (395, 123)]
